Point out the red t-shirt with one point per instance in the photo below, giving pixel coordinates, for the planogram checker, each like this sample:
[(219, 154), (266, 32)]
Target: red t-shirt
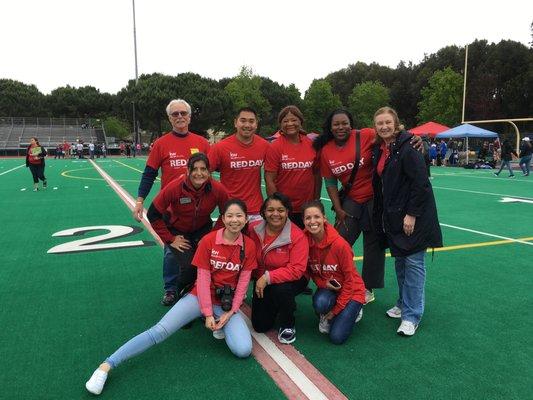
[(240, 168), (33, 155), (171, 153), (223, 260), (338, 162), (295, 165), (384, 155)]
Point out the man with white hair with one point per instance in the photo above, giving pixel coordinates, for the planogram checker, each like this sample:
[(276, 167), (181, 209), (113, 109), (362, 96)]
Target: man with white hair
[(170, 153)]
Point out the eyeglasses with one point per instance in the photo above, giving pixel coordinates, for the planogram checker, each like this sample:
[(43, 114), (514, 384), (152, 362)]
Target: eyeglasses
[(176, 114)]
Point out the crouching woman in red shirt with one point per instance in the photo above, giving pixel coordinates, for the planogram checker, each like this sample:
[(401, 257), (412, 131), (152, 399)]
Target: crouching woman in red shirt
[(282, 257), (340, 291), (225, 260)]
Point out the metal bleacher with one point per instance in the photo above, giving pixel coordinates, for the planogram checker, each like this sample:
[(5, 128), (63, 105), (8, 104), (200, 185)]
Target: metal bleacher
[(15, 133)]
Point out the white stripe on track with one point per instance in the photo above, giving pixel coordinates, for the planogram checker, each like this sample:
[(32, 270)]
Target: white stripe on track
[(487, 234), (476, 192), (12, 169)]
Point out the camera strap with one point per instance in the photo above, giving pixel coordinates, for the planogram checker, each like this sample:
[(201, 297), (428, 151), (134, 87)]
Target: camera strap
[(242, 252), (349, 184)]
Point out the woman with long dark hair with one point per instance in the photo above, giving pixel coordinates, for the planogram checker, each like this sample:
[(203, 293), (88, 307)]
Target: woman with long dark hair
[(35, 155)]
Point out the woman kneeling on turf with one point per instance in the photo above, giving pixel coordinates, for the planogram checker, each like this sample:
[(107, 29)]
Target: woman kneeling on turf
[(340, 291), (225, 259)]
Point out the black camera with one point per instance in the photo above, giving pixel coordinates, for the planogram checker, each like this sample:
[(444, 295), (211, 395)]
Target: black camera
[(225, 294)]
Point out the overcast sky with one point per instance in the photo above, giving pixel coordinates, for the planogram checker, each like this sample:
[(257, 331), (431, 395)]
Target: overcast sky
[(52, 43)]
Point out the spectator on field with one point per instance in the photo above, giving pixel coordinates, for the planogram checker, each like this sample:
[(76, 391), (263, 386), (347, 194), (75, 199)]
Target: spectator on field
[(282, 253), (340, 293), (170, 154), (225, 259), (35, 155), (525, 155), (405, 206), (507, 153)]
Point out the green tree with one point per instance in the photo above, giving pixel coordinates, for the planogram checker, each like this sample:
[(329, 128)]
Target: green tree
[(365, 99), (116, 127), (441, 99), (245, 91), (318, 102), (74, 102), (20, 100)]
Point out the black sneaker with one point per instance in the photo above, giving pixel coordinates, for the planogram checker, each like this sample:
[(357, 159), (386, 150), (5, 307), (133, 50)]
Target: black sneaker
[(45, 185), (286, 335), (169, 299)]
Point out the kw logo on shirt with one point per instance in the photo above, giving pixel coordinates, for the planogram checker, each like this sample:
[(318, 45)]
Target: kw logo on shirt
[(225, 265), (214, 254)]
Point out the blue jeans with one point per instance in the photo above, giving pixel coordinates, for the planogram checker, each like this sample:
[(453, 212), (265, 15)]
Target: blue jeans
[(524, 164), (411, 275), (504, 163), (238, 337), (341, 325)]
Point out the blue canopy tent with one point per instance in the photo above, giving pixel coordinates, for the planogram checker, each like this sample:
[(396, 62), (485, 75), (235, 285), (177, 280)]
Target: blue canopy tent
[(466, 131)]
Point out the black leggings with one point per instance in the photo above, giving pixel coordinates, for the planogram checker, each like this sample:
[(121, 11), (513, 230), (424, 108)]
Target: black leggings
[(37, 171), (278, 300)]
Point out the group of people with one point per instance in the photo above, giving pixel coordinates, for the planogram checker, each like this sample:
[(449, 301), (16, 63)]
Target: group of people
[(281, 242), (128, 149)]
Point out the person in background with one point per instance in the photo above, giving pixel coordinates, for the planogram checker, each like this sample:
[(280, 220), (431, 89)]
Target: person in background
[(340, 293), (507, 153), (525, 155), (405, 205), (443, 149), (282, 253), (35, 155), (225, 258), (170, 154), (291, 165)]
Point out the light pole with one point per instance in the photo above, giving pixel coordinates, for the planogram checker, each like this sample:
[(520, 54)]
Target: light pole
[(135, 124)]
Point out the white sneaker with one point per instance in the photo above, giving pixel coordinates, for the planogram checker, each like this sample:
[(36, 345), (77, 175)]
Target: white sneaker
[(359, 316), (95, 385), (407, 328), (394, 312), (323, 324), (219, 334), (369, 296)]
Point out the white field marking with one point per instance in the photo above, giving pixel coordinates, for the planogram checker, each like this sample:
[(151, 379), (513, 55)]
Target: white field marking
[(487, 234), (23, 189), (515, 200), (476, 192), (86, 187), (12, 169), (294, 373), (55, 187), (492, 177)]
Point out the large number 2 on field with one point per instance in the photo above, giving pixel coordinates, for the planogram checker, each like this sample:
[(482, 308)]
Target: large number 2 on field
[(96, 242)]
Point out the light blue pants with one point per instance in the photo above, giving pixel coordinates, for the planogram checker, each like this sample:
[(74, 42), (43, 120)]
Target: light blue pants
[(238, 337), (411, 276)]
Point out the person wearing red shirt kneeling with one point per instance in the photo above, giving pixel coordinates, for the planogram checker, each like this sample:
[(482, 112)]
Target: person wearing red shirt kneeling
[(340, 293), (225, 258), (282, 256)]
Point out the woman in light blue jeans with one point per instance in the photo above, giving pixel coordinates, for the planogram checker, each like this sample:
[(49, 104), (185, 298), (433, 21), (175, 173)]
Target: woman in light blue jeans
[(234, 259)]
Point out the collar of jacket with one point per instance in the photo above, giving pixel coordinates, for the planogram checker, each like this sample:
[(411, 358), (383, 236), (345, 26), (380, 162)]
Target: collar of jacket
[(283, 239)]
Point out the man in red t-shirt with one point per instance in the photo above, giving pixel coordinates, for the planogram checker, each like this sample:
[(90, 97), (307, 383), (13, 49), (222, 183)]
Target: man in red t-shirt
[(170, 153), (239, 159)]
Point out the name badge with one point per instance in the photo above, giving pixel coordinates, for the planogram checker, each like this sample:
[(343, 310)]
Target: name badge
[(185, 200)]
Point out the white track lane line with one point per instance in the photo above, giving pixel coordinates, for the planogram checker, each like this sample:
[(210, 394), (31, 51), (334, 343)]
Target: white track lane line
[(12, 169), (487, 234), (476, 192)]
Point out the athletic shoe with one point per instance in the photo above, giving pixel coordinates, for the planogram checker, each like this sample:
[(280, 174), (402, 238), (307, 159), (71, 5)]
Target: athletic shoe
[(35, 189), (495, 174), (96, 383), (287, 335), (394, 312), (219, 334), (45, 185), (359, 316), (169, 299), (511, 176), (369, 296), (407, 328), (323, 324)]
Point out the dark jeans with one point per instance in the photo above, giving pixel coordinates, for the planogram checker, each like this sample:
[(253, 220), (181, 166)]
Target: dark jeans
[(341, 326), (37, 172), (503, 165), (177, 270), (373, 272), (278, 301)]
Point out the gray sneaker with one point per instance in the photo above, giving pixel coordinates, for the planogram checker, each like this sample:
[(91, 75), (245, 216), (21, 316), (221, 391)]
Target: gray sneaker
[(394, 312), (287, 335)]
